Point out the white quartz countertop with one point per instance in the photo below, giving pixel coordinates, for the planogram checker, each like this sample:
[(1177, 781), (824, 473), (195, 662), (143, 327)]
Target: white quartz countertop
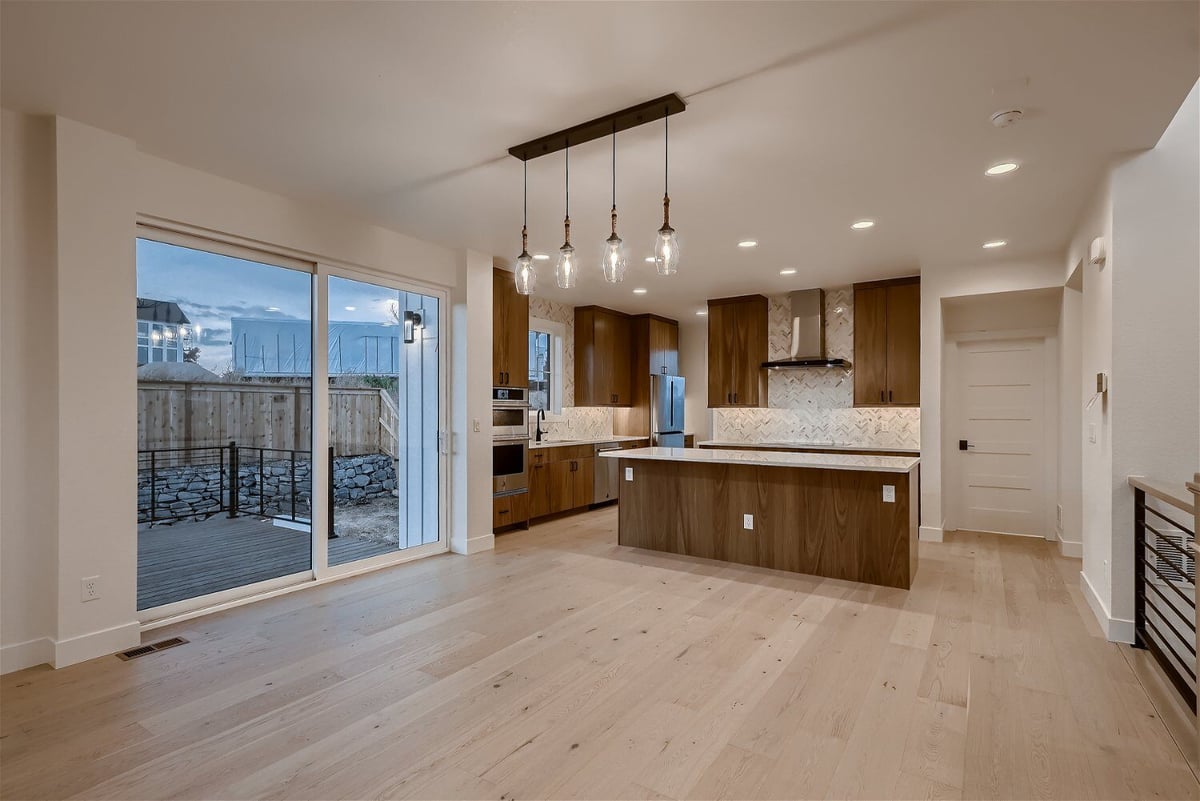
[(829, 446), (562, 443), (819, 461)]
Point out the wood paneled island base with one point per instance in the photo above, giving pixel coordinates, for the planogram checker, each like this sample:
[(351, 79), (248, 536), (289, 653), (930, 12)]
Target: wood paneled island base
[(824, 522)]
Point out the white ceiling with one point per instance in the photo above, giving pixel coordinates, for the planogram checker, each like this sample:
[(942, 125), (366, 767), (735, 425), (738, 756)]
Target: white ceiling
[(802, 117)]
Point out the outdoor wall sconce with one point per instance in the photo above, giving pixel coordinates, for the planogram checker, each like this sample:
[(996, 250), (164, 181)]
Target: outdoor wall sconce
[(413, 322)]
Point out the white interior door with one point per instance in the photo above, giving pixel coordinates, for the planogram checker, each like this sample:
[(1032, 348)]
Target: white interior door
[(999, 390)]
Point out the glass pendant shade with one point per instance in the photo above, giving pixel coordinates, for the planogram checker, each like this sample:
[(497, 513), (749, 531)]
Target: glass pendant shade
[(614, 260), (524, 275), (567, 268), (666, 251)]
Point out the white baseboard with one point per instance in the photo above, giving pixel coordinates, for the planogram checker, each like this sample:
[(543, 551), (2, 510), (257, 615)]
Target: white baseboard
[(21, 655), (929, 534), (97, 643), (1073, 550), (1115, 629), (484, 542)]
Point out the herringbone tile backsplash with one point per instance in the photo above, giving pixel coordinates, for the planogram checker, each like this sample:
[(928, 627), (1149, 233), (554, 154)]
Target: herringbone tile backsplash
[(817, 404)]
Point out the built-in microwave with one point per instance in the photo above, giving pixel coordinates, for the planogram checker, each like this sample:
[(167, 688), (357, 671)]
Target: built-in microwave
[(510, 413)]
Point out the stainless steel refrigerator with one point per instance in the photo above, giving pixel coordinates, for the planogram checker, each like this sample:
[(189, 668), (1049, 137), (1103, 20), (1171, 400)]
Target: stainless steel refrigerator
[(666, 411)]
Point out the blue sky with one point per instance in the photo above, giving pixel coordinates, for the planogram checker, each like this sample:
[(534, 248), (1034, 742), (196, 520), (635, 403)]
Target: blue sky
[(211, 289)]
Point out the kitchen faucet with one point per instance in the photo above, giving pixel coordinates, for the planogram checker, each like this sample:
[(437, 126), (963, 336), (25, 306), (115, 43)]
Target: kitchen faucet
[(541, 415)]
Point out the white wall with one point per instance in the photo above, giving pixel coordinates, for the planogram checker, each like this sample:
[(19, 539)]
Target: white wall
[(72, 195), (471, 405), (949, 281), (1096, 421), (1155, 254), (1070, 422), (28, 386)]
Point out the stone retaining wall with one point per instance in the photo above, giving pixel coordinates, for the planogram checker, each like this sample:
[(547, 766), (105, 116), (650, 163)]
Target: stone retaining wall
[(196, 492)]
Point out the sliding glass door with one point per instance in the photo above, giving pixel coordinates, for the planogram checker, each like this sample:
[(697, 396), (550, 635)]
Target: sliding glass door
[(224, 407), (230, 499), (385, 411)]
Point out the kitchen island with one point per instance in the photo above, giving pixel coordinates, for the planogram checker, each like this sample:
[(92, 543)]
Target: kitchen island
[(839, 516)]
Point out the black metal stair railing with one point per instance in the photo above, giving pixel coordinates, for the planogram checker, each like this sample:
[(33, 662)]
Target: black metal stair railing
[(1165, 594)]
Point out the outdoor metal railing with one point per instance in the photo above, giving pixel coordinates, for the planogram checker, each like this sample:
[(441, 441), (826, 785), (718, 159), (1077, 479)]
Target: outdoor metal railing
[(1165, 590), (197, 482)]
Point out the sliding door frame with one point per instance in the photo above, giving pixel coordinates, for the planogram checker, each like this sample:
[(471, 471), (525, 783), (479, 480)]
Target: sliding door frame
[(321, 567), (174, 233)]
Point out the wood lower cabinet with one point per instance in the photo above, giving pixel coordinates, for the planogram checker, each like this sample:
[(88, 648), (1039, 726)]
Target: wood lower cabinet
[(887, 343), (603, 349), (562, 478), (510, 332), (509, 510), (539, 490), (737, 348)]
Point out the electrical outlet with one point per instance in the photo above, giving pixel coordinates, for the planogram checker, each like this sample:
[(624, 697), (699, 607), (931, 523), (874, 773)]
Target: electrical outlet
[(475, 425), (748, 522), (89, 589), (889, 493), (629, 474)]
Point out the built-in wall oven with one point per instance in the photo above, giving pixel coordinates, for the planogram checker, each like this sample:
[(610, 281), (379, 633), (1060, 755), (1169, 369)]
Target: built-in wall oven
[(510, 440)]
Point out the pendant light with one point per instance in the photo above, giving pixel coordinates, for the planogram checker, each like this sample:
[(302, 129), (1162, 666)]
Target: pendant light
[(524, 275), (666, 246), (614, 262), (566, 270)]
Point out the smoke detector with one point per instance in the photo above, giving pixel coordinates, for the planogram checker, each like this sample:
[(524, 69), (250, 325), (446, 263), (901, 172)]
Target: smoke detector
[(1007, 117)]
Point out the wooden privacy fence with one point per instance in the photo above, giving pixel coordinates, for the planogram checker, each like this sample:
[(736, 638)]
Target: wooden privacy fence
[(182, 414)]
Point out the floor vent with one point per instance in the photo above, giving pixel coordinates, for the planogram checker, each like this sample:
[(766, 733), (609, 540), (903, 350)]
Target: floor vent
[(143, 650)]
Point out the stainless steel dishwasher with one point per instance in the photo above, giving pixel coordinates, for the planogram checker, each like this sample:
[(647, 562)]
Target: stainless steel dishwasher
[(606, 474)]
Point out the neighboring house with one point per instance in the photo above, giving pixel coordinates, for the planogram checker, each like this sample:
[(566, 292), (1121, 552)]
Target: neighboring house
[(164, 332), (264, 347)]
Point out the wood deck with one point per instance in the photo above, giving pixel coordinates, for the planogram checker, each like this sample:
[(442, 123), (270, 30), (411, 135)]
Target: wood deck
[(189, 559)]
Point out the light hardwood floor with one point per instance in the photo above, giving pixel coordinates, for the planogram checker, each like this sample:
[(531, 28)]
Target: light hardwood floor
[(563, 665)]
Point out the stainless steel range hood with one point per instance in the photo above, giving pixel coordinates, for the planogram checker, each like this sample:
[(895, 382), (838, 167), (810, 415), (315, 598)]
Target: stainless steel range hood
[(808, 334)]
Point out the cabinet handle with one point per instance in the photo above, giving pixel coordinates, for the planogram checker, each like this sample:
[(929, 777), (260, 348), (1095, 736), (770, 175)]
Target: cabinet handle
[(889, 396), (504, 511), (881, 396), (735, 397)]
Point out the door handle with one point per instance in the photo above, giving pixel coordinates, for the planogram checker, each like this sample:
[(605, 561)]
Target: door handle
[(963, 445)]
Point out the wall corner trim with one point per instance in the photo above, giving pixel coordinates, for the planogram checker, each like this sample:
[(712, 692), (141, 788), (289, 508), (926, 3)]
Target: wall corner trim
[(21, 655), (930, 534), (1115, 629), (73, 650)]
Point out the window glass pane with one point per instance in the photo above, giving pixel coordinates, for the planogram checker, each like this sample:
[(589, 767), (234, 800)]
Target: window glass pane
[(539, 370), (224, 492)]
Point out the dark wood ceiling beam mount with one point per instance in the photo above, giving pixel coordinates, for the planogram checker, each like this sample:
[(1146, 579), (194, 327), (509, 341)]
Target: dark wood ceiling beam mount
[(600, 127)]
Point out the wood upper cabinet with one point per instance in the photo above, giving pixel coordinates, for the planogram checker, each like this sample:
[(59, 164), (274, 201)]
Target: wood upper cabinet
[(887, 343), (510, 332), (655, 349), (737, 347), (603, 347)]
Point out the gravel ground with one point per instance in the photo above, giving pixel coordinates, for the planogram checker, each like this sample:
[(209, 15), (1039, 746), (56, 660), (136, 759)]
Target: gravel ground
[(377, 521)]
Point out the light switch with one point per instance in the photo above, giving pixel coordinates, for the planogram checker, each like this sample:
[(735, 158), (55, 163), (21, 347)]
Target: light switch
[(889, 493), (629, 474), (475, 425), (1091, 432), (748, 522)]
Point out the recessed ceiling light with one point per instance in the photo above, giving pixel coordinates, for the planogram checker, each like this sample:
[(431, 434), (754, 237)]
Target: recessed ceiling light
[(748, 243), (272, 308), (862, 224), (701, 312), (639, 291), (995, 243), (541, 257), (788, 271), (1002, 168), (650, 260), (351, 308)]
